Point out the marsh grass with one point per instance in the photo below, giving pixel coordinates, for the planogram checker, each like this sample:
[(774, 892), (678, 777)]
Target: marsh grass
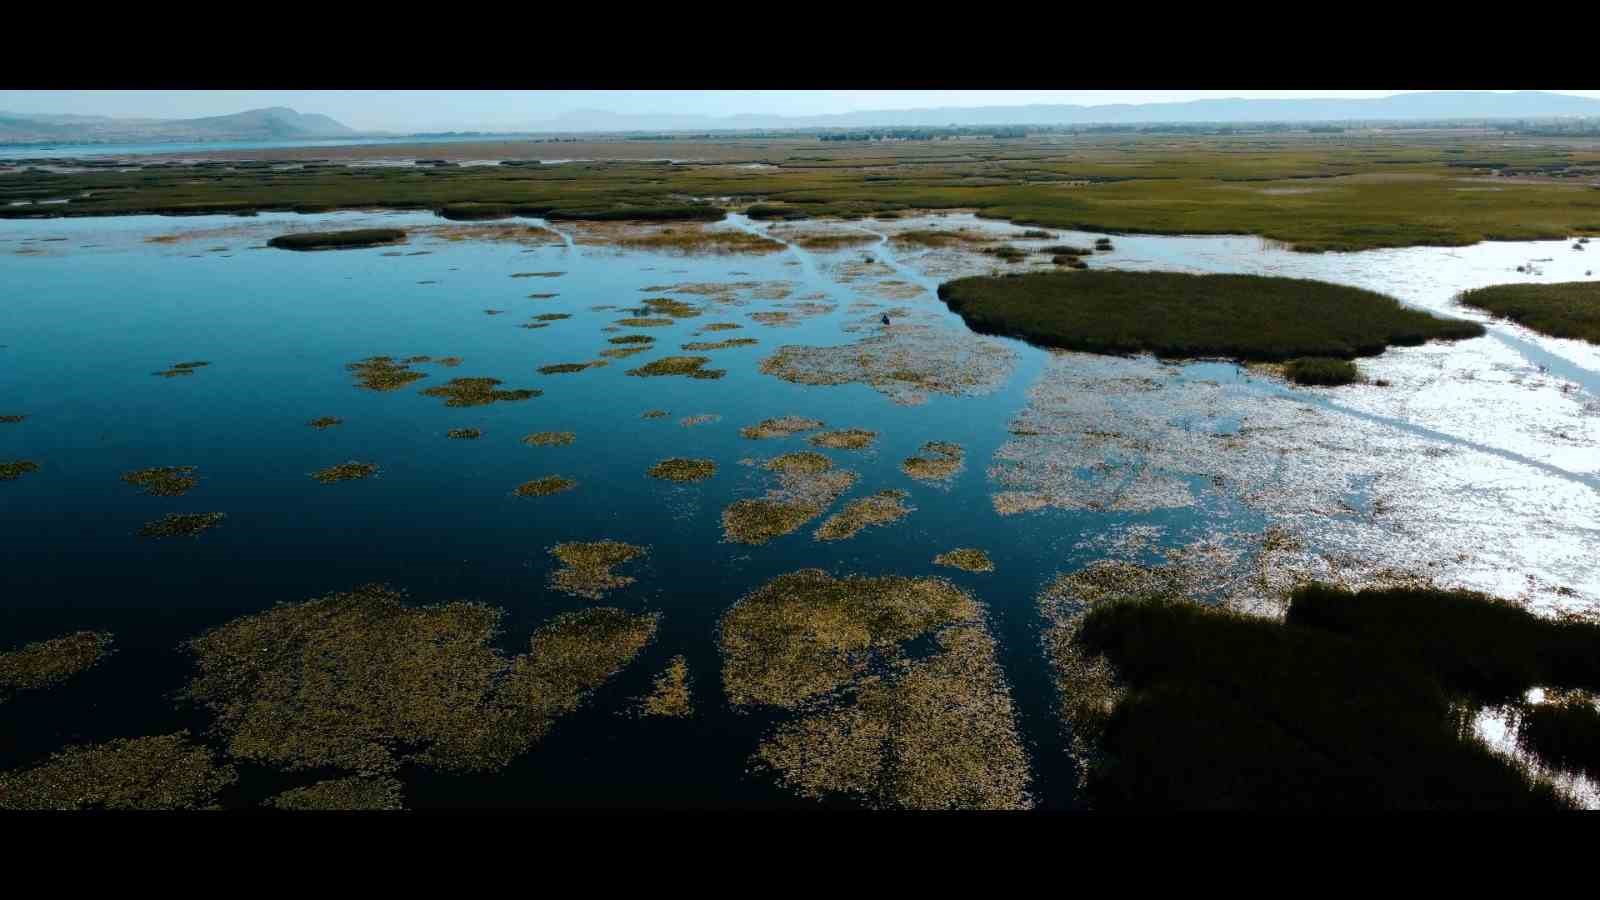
[(701, 419), (181, 525), (1176, 315), (183, 368), (550, 439), (644, 322), (632, 339), (324, 422), (800, 462), (692, 366), (1564, 733), (783, 426), (383, 373), (719, 345), (11, 471), (1228, 711), (1566, 310), (478, 392), (150, 773), (654, 414), (163, 481), (567, 368), (1321, 370), (934, 732), (464, 434), (882, 508), (844, 439), (544, 487), (348, 471), (337, 240), (936, 461), (623, 352), (365, 681), (586, 567), (671, 696), (966, 559), (683, 470), (377, 793), (46, 663)]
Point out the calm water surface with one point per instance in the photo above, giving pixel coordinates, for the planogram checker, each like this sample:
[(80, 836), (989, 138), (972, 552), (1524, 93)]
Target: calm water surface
[(88, 319)]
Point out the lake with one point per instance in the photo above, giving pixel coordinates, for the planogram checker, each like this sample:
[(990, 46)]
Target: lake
[(1476, 464)]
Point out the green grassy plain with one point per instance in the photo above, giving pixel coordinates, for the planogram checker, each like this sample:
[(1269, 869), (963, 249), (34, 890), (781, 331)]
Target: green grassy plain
[(1316, 192)]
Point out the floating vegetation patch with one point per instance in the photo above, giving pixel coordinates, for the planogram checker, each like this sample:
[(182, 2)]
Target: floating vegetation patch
[(719, 326), (783, 426), (464, 434), (691, 366), (550, 439), (937, 461), (354, 794), (687, 239), (844, 439), (552, 317), (936, 732), (666, 306), (800, 462), (632, 339), (364, 681), (538, 274), (11, 471), (966, 559), (906, 363), (679, 469), (644, 322), (720, 345), (337, 240), (881, 508), (702, 419), (183, 368), (671, 695), (545, 296), (773, 317), (11, 420), (533, 325), (808, 485), (383, 373), (895, 290), (181, 525), (477, 392), (163, 481), (654, 414), (46, 663), (544, 487), (348, 471), (567, 368), (150, 773), (323, 422), (623, 352), (586, 567), (493, 312)]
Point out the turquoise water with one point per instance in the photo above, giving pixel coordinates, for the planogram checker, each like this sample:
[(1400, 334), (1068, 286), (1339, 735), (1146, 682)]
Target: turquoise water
[(92, 310)]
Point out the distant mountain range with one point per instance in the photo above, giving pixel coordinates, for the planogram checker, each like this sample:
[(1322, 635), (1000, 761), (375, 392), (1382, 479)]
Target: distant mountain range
[(275, 124), (283, 124), (1433, 105)]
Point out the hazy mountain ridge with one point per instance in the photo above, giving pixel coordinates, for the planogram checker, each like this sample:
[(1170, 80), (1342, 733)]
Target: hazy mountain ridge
[(1426, 105), (274, 123)]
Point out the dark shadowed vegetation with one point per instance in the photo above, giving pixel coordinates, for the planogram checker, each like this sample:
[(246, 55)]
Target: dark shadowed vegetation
[(335, 240), (1178, 315)]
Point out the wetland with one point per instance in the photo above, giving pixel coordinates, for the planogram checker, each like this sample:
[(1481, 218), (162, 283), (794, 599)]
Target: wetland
[(954, 527)]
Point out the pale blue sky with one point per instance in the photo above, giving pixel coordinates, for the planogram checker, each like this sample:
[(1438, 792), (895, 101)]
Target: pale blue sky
[(487, 110)]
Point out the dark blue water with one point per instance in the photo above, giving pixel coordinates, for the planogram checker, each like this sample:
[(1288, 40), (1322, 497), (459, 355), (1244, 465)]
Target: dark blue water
[(91, 310)]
